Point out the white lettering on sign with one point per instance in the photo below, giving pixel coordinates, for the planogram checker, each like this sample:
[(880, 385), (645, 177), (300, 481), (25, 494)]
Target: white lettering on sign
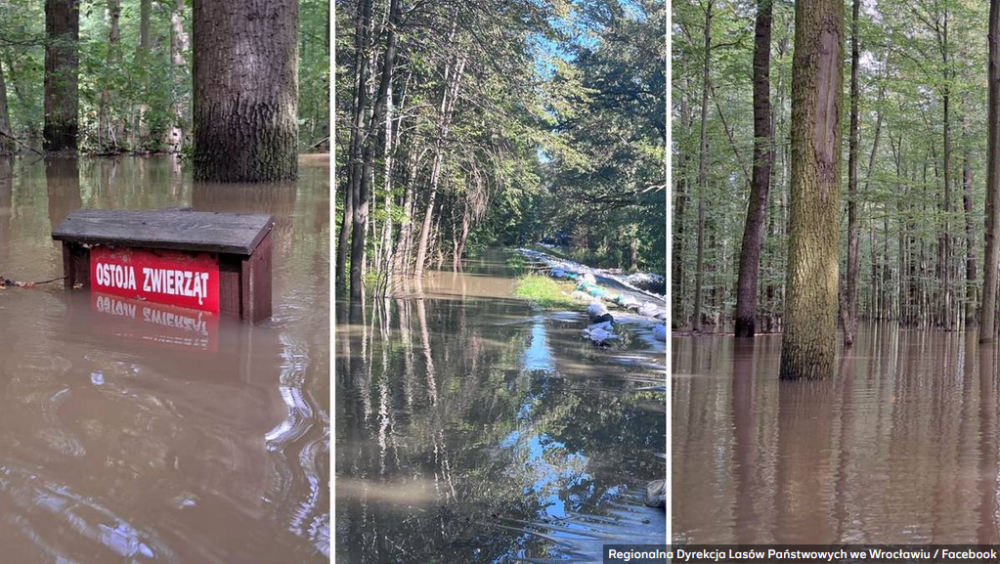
[(170, 277), (176, 283), (116, 276)]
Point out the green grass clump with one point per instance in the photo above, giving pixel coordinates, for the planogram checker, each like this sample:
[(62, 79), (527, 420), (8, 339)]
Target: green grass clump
[(545, 292), (516, 263)]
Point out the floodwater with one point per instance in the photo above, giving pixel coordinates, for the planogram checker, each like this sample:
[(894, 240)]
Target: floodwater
[(900, 446), (132, 432), (473, 428)]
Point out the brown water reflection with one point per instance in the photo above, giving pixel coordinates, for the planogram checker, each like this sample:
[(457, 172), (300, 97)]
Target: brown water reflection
[(155, 434), (899, 447), (472, 428)]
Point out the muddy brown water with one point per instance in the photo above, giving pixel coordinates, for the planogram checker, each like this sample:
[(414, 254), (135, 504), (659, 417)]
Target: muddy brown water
[(130, 432), (473, 428), (899, 446)]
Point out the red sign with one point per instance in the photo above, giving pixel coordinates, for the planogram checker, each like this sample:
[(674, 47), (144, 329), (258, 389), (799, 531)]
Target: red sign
[(167, 277)]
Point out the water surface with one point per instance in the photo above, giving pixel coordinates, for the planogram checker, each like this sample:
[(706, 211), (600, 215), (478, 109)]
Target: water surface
[(473, 428), (900, 446), (133, 432)]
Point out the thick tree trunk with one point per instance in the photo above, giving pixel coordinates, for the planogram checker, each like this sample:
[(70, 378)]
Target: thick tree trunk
[(987, 330), (850, 307), (363, 196), (62, 98), (810, 340), (245, 90), (702, 170), (178, 45), (763, 157)]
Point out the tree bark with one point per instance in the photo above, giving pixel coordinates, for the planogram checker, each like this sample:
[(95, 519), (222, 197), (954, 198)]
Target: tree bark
[(970, 245), (702, 171), (449, 97), (142, 60), (810, 339), (946, 235), (105, 127), (62, 97), (363, 195), (7, 145), (987, 330), (362, 24), (850, 307), (404, 238), (245, 90), (178, 45), (763, 157)]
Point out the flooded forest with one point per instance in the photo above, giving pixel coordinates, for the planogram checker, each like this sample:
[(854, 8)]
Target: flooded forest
[(136, 431), (836, 170), (500, 261)]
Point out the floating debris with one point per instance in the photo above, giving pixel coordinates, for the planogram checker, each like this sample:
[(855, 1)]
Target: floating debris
[(7, 282)]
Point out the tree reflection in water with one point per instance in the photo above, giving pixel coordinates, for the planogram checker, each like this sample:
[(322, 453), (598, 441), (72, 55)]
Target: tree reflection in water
[(474, 429)]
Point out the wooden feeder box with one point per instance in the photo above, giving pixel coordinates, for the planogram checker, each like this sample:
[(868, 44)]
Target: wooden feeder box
[(217, 262)]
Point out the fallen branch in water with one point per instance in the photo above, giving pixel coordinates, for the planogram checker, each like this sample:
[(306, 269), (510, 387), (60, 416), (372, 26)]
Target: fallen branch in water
[(21, 143), (7, 282)]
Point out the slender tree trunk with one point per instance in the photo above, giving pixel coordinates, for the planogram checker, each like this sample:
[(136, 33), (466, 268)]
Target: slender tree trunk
[(404, 239), (970, 245), (390, 151), (810, 340), (677, 273), (245, 90), (62, 99), (105, 127), (179, 71), (7, 145), (142, 59), (850, 306), (463, 234), (763, 157), (448, 100), (703, 170), (363, 196), (987, 330), (362, 31), (946, 235)]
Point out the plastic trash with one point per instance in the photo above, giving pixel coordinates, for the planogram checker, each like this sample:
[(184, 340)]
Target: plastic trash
[(599, 336), (596, 309), (660, 332), (648, 310), (589, 278), (605, 325), (558, 273)]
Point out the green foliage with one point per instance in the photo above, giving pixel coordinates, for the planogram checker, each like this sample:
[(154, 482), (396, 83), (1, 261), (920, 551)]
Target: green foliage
[(903, 214), (560, 122), (545, 292), (128, 98)]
